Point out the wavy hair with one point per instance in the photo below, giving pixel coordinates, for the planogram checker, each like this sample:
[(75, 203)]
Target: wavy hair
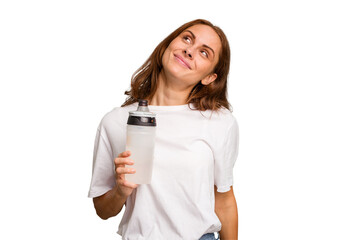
[(202, 97)]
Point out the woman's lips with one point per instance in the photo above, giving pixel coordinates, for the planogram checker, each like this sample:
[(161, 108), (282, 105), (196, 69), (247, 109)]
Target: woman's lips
[(182, 61)]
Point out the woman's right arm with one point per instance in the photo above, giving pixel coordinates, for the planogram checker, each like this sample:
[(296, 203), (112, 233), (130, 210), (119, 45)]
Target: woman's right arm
[(111, 203)]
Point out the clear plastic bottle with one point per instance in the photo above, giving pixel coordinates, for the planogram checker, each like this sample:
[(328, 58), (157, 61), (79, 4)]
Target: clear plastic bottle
[(140, 140)]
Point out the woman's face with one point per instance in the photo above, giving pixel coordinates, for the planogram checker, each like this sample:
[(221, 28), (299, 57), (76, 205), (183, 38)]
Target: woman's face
[(192, 56)]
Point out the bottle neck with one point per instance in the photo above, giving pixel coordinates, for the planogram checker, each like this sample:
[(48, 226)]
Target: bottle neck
[(142, 109)]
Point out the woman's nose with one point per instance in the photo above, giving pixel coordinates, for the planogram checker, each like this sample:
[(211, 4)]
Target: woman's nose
[(188, 53)]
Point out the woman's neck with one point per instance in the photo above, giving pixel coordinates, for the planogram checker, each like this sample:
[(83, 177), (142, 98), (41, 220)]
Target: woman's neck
[(167, 94)]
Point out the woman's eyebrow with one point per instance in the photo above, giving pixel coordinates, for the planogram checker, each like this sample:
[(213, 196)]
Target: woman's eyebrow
[(192, 34), (204, 45)]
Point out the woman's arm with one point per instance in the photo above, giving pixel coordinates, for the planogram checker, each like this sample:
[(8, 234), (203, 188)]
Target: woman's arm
[(109, 204), (226, 210)]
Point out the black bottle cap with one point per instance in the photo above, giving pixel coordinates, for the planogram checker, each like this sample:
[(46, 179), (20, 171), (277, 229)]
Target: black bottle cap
[(142, 116), (143, 102), (142, 121)]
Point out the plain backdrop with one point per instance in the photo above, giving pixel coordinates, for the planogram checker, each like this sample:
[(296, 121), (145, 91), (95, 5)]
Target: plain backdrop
[(293, 85)]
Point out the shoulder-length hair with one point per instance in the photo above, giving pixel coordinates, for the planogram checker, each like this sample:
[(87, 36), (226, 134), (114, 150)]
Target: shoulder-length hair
[(202, 97)]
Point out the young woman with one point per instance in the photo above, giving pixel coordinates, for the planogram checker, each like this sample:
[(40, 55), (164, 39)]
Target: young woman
[(190, 196)]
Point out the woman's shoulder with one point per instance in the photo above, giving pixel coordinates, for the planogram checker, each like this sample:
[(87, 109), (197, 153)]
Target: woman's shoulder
[(219, 124), (222, 114), (117, 115)]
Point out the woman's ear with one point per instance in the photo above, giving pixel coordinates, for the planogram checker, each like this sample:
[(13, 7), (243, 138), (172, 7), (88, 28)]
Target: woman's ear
[(209, 79)]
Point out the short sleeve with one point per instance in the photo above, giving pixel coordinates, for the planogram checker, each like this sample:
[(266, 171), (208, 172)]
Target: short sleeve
[(225, 157), (103, 175)]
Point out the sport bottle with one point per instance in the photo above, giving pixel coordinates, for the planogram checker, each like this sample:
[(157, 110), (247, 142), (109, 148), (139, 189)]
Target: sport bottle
[(140, 141)]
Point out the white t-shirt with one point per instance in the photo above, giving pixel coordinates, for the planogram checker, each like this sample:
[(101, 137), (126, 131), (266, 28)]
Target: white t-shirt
[(194, 150)]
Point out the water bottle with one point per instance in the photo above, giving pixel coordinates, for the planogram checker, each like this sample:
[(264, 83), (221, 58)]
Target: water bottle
[(140, 140)]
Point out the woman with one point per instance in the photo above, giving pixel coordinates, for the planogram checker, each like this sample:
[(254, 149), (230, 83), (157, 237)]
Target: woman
[(190, 196)]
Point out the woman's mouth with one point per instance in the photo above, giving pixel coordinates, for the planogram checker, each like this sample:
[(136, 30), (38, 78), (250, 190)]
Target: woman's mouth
[(182, 61)]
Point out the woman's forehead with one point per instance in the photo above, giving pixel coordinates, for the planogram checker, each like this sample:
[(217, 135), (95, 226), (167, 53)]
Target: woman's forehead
[(205, 35), (203, 31)]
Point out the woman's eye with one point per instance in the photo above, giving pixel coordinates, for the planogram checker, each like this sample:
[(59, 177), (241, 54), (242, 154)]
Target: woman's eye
[(204, 53), (187, 39)]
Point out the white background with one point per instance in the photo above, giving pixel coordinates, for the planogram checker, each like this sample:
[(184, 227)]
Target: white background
[(294, 88)]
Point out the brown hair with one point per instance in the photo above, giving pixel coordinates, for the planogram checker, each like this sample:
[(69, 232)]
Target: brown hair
[(203, 97)]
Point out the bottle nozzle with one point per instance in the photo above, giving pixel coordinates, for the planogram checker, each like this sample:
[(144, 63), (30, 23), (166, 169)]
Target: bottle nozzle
[(143, 102), (143, 106)]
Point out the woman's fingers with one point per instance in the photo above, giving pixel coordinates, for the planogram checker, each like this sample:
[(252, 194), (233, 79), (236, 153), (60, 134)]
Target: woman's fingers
[(121, 181), (123, 161), (122, 170), (124, 154)]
